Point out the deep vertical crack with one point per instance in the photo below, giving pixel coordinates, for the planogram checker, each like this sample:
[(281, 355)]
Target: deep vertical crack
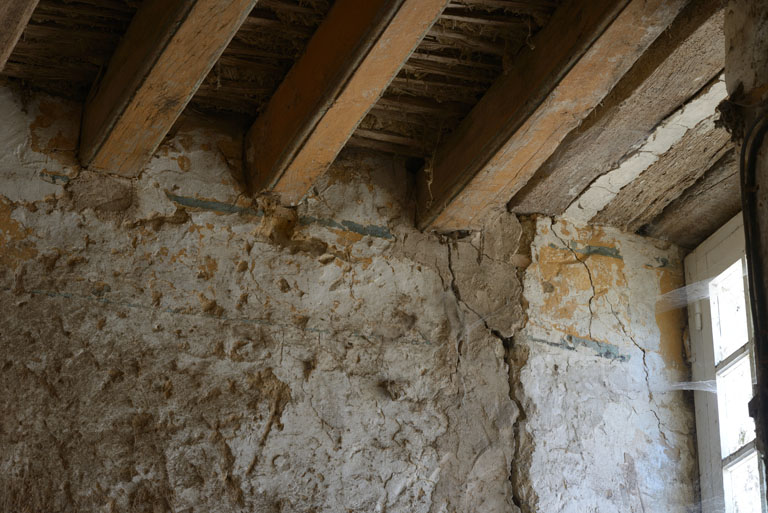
[(518, 427), (457, 294), (513, 382)]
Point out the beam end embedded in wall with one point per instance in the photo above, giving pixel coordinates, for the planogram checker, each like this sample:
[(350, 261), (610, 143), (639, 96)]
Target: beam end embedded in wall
[(348, 64), (169, 48), (14, 16), (525, 115)]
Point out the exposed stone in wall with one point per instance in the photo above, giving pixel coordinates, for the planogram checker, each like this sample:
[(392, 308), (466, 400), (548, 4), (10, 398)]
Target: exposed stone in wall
[(169, 345), (604, 428)]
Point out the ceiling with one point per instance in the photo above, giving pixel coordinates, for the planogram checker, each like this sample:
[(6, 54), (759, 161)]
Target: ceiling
[(473, 44), (68, 42)]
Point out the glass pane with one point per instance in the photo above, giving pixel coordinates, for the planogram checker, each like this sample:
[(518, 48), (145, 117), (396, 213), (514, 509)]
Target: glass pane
[(734, 390), (729, 311), (742, 486)]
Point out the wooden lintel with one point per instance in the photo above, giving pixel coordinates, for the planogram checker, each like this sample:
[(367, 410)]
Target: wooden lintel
[(167, 51), (703, 208), (574, 61), (14, 16), (348, 63)]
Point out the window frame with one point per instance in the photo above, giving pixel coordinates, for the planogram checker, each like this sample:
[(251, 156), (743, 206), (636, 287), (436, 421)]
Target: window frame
[(713, 257)]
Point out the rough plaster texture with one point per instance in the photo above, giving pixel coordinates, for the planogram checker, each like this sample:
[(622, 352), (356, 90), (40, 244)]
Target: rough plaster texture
[(170, 345), (604, 431)]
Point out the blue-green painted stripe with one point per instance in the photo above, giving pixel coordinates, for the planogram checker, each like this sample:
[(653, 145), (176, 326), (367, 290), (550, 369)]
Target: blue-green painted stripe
[(601, 349), (54, 178), (371, 230), (592, 250)]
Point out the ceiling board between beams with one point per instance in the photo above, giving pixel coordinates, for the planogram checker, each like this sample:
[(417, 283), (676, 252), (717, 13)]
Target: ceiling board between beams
[(703, 208)]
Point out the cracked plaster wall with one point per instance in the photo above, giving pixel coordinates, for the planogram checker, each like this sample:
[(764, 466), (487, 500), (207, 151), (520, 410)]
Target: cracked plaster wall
[(605, 428), (170, 345)]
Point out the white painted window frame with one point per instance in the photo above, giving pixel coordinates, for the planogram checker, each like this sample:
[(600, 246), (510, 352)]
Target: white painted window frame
[(706, 262)]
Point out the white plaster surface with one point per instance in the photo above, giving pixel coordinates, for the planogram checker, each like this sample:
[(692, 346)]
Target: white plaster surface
[(38, 146), (604, 431), (157, 357)]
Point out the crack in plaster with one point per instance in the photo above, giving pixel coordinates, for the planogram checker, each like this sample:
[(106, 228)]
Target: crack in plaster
[(589, 273), (508, 345), (651, 400), (455, 290), (646, 370)]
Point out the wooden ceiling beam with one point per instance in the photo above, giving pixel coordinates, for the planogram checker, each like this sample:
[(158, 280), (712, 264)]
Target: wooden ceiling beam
[(642, 200), (674, 70), (167, 51), (14, 16), (703, 208), (524, 7), (552, 85), (348, 63)]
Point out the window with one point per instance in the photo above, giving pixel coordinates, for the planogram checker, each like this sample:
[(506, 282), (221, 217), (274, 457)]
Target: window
[(732, 474)]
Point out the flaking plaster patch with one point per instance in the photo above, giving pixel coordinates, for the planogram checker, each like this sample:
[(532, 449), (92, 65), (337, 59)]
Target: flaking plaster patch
[(38, 146)]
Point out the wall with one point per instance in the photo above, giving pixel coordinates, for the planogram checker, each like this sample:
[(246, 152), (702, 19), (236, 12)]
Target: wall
[(171, 345), (601, 361)]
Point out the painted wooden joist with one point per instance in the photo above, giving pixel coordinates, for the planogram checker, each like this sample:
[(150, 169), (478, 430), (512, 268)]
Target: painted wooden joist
[(673, 70), (572, 64), (167, 51), (353, 56), (14, 16)]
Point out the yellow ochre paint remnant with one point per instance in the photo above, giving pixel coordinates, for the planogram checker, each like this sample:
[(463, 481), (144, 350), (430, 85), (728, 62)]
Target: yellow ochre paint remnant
[(671, 323)]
